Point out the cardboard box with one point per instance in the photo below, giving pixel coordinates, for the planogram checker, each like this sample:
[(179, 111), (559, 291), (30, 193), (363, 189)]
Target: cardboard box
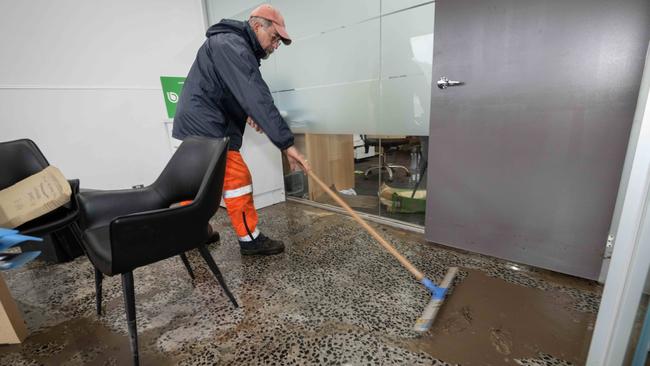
[(33, 196), (12, 326)]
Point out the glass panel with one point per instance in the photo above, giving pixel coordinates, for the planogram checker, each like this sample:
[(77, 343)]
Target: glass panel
[(407, 53), (342, 56), (366, 161), (269, 70), (340, 160), (389, 6), (218, 9), (404, 106), (407, 42), (402, 186), (338, 109), (406, 66), (355, 89), (305, 18)]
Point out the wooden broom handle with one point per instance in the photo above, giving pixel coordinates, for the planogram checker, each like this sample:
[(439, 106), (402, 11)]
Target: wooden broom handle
[(414, 271)]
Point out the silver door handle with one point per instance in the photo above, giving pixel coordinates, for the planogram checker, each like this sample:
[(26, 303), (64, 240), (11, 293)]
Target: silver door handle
[(443, 83)]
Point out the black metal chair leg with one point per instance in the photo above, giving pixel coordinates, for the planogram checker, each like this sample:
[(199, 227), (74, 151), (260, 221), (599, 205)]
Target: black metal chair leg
[(187, 265), (129, 305), (99, 277), (205, 253)]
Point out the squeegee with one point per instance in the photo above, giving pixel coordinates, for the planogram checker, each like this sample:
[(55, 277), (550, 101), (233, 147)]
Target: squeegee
[(437, 292)]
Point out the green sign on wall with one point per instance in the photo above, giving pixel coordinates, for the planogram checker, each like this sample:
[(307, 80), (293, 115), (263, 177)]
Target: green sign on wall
[(171, 87)]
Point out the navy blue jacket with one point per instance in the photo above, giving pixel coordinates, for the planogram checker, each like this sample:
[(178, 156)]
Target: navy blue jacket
[(225, 86)]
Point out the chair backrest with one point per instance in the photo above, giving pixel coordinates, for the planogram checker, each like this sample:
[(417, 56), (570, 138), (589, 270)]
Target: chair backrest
[(19, 159), (195, 172)]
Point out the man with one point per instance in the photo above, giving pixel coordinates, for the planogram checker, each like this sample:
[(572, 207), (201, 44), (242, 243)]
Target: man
[(223, 91)]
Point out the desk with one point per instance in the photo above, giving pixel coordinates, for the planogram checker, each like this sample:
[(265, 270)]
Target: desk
[(12, 326), (331, 158)]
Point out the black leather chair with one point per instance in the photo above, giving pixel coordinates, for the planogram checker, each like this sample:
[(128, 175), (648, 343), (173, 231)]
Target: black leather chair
[(20, 159), (127, 229)]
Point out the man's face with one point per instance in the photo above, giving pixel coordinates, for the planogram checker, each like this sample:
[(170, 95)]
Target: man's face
[(268, 37)]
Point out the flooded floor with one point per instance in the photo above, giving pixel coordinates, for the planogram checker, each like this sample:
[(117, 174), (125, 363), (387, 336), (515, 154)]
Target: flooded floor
[(334, 297)]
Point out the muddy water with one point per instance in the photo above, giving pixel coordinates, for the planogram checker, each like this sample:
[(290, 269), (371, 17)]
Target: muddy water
[(85, 342), (487, 321)]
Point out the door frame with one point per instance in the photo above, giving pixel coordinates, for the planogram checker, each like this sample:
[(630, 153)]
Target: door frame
[(628, 268)]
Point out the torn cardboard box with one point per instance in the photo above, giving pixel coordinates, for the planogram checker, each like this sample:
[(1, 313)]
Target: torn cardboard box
[(33, 196)]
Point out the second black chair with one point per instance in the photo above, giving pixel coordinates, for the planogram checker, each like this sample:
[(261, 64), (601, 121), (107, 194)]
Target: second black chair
[(20, 159), (127, 229)]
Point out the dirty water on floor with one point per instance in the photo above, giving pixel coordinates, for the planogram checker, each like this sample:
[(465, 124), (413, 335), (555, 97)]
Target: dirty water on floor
[(487, 321), (334, 297)]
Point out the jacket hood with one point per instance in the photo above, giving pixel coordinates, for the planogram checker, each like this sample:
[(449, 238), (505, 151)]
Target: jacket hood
[(243, 29)]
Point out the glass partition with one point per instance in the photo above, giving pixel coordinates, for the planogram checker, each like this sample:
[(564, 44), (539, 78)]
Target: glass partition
[(355, 87)]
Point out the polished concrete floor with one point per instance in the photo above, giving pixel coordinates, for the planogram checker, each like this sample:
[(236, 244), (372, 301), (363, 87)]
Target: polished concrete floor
[(334, 297)]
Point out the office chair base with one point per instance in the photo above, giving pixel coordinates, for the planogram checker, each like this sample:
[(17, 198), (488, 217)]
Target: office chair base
[(389, 169)]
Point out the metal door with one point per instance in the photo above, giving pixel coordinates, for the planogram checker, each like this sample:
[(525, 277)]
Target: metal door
[(525, 156)]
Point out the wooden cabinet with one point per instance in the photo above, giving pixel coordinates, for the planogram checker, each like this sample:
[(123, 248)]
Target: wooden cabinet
[(332, 159)]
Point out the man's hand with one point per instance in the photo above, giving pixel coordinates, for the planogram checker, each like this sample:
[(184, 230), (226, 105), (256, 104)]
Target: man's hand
[(252, 123), (296, 160)]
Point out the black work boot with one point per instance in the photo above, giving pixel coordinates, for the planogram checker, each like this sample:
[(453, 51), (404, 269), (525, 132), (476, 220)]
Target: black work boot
[(261, 245)]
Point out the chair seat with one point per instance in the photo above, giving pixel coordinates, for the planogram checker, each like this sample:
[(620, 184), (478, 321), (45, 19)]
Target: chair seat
[(387, 142), (98, 248)]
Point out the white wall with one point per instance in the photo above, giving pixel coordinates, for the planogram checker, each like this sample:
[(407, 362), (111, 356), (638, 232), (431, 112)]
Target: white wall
[(81, 78)]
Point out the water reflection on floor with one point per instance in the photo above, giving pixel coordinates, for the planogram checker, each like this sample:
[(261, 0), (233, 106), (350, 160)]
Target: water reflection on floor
[(334, 297)]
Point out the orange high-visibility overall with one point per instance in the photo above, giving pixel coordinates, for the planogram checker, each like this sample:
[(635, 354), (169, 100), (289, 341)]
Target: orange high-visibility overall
[(238, 196)]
